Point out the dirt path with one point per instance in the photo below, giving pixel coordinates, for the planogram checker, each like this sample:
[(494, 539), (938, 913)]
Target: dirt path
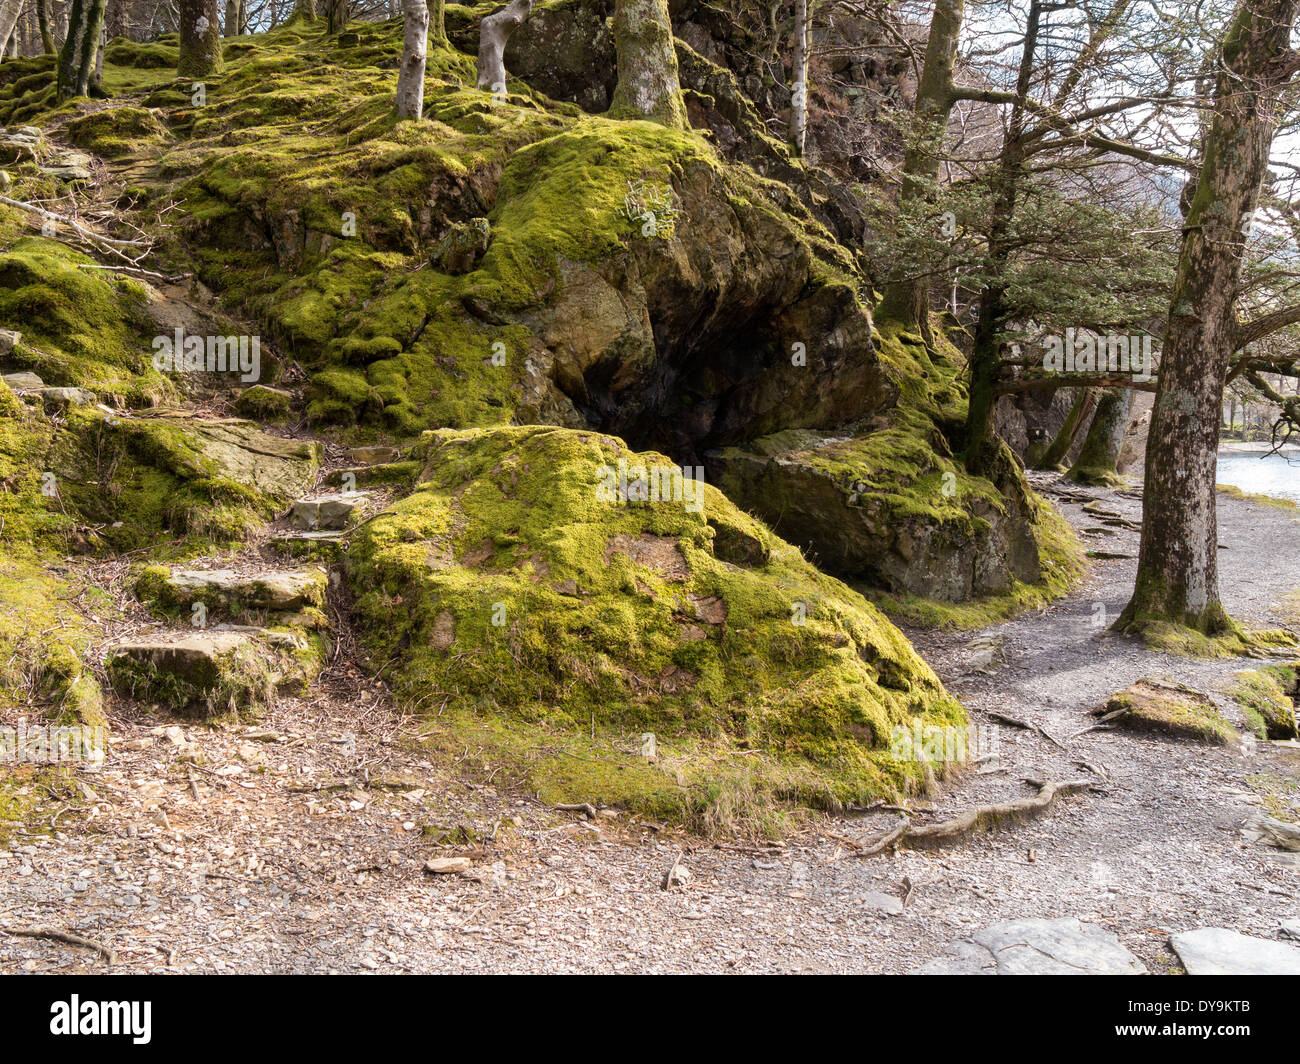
[(261, 872)]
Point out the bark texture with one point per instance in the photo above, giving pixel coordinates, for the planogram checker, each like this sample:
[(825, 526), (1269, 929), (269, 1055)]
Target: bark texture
[(77, 60), (1098, 461), (43, 20), (799, 90), (493, 34), (1084, 403), (415, 45), (908, 301), (336, 15), (10, 10), (1178, 573), (236, 15), (200, 53), (648, 85)]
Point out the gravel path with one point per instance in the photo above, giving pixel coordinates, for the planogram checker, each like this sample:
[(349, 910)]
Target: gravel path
[(298, 845)]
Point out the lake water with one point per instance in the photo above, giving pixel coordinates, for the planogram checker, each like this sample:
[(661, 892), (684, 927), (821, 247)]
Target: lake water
[(1270, 475)]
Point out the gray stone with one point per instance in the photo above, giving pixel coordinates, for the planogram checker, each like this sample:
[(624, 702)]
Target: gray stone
[(1036, 947), (1291, 928), (374, 455), (325, 512), (62, 397), (292, 590), (1218, 951), (8, 341), (24, 382), (882, 903)]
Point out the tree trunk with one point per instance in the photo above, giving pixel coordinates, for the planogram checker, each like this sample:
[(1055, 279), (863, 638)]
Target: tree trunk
[(43, 20), (236, 15), (648, 85), (1055, 455), (986, 351), (336, 15), (1178, 573), (415, 43), (799, 90), (9, 12), (77, 60), (438, 23), (908, 301), (200, 39), (305, 8), (493, 33), (1098, 461)]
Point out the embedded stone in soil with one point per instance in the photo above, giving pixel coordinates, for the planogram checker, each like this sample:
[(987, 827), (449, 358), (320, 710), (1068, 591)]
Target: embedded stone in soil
[(1218, 951), (286, 591), (326, 512), (1036, 947)]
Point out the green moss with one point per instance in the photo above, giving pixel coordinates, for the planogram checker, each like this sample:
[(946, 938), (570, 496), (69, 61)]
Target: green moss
[(504, 584), (1168, 709), (1271, 501), (1233, 641), (1266, 697), (81, 328), (115, 131)]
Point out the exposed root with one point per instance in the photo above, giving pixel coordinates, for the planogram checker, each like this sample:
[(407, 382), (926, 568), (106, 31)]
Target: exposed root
[(63, 936), (980, 817)]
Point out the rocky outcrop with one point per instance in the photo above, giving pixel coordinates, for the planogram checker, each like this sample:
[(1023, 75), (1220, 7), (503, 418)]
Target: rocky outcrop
[(554, 572)]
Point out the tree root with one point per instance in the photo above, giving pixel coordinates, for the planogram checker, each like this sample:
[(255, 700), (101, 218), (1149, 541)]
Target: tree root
[(63, 936), (980, 817)]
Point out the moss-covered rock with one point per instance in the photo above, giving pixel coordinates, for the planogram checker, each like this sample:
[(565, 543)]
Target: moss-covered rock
[(215, 671), (114, 131), (1172, 710), (140, 476), (1267, 697), (885, 503), (513, 582)]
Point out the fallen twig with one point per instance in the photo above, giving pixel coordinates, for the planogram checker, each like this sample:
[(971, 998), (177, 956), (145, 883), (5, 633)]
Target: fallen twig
[(63, 936)]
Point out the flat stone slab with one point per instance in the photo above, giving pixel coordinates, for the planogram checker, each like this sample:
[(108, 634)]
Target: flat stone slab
[(282, 591), (24, 382), (1218, 951), (326, 512), (1036, 947), (61, 397)]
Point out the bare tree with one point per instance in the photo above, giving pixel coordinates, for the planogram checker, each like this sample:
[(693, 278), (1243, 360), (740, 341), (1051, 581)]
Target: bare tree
[(799, 88), (9, 12), (415, 44), (494, 32), (77, 60)]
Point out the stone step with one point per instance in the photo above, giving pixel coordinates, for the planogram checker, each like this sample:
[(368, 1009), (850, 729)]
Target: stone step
[(326, 512), (182, 669), (226, 667), (285, 592), (374, 455), (320, 546), (380, 473)]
